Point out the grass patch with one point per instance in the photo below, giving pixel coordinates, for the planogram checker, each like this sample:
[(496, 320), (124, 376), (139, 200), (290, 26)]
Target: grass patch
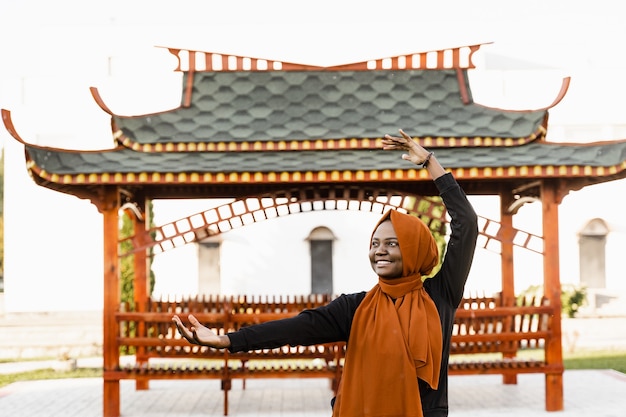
[(6, 379), (582, 359), (596, 360)]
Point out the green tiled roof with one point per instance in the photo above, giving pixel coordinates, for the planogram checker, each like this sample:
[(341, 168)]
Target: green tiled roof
[(309, 105)]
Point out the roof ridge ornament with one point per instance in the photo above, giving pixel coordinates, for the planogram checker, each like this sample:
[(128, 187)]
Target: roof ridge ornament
[(190, 60)]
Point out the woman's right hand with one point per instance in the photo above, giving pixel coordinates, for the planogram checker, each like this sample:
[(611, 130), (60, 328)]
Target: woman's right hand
[(198, 334)]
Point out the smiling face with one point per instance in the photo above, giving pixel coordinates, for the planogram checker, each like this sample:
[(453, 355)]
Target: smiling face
[(385, 255)]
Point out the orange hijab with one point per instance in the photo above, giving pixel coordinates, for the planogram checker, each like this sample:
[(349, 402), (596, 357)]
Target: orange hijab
[(392, 344)]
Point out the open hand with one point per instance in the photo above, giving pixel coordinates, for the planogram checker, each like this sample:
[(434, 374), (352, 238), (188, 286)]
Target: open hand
[(416, 153), (198, 334)]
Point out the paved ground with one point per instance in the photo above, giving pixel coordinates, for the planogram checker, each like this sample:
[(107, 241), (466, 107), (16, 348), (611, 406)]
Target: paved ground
[(587, 393)]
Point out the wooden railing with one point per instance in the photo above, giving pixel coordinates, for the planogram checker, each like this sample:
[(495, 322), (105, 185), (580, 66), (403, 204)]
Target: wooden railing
[(487, 339)]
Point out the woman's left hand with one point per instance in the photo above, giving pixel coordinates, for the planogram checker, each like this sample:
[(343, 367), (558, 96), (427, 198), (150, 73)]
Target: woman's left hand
[(416, 153)]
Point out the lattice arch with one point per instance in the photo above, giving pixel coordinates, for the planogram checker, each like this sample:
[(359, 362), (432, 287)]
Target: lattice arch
[(239, 213)]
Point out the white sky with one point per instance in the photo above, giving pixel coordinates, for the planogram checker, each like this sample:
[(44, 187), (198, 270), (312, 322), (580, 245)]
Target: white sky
[(546, 29), (87, 41)]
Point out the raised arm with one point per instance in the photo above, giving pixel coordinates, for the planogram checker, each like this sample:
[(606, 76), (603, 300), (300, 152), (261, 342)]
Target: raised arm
[(460, 248)]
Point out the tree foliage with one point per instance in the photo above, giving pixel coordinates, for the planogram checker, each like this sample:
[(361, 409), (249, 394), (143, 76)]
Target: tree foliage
[(432, 213), (127, 267), (127, 273)]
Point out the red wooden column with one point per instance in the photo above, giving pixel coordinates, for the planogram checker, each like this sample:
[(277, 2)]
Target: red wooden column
[(140, 287), (109, 206), (550, 199), (507, 234)]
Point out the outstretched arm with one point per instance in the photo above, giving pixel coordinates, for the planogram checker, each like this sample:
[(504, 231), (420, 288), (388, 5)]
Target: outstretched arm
[(416, 153), (198, 334)]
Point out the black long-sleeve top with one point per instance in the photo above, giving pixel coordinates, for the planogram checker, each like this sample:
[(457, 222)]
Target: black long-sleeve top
[(332, 322)]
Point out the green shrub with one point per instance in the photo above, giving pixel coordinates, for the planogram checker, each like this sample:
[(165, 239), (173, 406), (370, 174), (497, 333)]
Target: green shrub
[(572, 298)]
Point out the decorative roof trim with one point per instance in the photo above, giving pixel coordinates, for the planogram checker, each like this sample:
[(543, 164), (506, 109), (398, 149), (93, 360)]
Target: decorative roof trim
[(190, 178), (564, 87), (99, 101), (190, 60), (10, 127), (321, 144)]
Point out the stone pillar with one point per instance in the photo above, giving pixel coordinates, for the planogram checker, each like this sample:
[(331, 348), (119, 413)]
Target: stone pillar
[(592, 252)]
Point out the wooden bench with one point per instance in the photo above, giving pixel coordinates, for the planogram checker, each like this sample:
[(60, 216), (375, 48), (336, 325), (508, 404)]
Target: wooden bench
[(160, 352), (507, 340), (487, 339)]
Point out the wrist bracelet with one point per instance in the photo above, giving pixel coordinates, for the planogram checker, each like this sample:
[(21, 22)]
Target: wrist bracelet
[(424, 163)]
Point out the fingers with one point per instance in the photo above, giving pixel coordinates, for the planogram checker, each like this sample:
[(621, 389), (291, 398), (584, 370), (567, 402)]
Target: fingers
[(393, 138), (404, 135), (177, 321), (397, 142), (402, 138), (184, 332), (195, 324), (194, 321)]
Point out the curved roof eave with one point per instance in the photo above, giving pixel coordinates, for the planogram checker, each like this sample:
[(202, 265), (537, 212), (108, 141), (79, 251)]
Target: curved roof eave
[(122, 165)]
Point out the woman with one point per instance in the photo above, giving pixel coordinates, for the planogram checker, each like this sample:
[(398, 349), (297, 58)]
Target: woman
[(399, 332)]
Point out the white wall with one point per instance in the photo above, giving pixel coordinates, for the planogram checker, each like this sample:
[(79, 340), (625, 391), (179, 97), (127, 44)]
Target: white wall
[(271, 256)]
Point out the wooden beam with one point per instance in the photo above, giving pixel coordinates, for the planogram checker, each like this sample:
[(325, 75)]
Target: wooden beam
[(141, 285), (507, 265), (109, 207), (550, 198)]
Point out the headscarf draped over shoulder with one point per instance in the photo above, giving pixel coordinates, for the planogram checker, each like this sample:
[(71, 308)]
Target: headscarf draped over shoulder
[(396, 334)]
